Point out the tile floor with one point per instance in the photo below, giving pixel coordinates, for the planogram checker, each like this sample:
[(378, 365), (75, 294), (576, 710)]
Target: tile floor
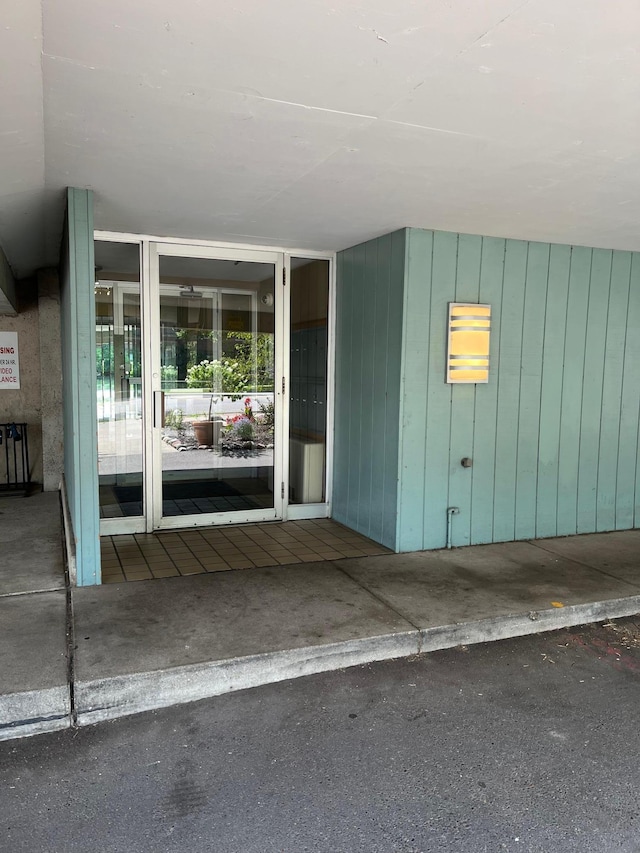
[(143, 556)]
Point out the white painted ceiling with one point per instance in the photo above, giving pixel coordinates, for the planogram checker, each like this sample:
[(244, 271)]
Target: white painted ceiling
[(318, 124)]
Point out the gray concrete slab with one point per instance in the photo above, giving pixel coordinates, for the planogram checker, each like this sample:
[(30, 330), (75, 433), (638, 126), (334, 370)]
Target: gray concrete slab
[(617, 554), (141, 646), (34, 693), (492, 591), (31, 556)]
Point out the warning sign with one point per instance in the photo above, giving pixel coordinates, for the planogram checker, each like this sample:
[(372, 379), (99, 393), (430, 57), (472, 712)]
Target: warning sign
[(9, 364)]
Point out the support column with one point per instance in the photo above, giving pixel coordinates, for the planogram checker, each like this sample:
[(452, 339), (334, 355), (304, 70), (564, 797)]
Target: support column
[(79, 384)]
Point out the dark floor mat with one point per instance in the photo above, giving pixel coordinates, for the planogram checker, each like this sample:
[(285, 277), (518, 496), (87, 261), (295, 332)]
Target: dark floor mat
[(181, 498)]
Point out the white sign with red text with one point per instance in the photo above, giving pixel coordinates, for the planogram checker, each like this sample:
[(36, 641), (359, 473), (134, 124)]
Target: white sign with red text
[(9, 364)]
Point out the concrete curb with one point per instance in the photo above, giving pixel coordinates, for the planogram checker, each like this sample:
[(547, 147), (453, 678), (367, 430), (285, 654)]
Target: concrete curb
[(34, 712), (522, 624), (109, 698)]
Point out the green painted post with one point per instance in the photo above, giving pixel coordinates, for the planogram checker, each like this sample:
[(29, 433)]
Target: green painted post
[(81, 454)]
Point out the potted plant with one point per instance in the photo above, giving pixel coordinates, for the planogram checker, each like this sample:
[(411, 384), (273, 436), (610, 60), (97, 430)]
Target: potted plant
[(206, 375), (204, 429)]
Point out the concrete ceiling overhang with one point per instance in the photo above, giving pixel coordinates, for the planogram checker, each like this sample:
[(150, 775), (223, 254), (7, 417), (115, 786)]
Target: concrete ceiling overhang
[(22, 180), (319, 124)]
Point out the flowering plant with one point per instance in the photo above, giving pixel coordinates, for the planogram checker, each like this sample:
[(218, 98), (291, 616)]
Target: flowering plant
[(242, 428), (233, 419)]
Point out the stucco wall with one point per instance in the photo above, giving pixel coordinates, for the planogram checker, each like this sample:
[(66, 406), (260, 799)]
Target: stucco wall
[(24, 405), (50, 379), (8, 300), (38, 402)]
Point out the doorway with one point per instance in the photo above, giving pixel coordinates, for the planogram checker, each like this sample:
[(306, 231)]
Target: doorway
[(213, 391), (216, 413)]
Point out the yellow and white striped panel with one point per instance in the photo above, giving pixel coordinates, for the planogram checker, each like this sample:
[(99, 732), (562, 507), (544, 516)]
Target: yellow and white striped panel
[(468, 343)]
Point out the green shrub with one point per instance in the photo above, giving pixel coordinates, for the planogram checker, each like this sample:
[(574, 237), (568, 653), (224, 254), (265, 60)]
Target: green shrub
[(268, 413), (174, 418), (223, 376)]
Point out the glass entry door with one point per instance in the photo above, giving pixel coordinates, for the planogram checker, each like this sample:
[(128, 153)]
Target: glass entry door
[(215, 400)]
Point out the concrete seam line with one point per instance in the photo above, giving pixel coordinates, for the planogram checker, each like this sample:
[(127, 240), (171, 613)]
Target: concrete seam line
[(69, 628), (535, 543), (71, 659), (31, 592), (67, 529), (376, 596)]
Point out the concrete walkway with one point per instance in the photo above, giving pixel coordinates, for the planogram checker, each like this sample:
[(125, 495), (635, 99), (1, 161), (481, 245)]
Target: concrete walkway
[(34, 682), (138, 646)]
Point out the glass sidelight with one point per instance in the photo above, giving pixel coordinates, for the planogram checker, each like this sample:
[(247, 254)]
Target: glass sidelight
[(309, 338), (119, 379), (215, 407)]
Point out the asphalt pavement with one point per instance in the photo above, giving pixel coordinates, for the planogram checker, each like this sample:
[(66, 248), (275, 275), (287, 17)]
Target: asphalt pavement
[(528, 744)]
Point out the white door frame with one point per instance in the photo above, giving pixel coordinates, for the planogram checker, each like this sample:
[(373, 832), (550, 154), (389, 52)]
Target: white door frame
[(152, 482), (155, 519)]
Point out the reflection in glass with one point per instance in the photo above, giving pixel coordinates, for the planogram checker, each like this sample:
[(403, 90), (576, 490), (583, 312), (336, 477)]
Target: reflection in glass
[(119, 379), (308, 382), (217, 374)]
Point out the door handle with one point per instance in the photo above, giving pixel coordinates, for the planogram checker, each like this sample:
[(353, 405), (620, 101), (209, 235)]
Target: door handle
[(158, 409)]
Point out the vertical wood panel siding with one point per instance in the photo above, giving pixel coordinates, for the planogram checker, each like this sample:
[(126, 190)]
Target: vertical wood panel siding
[(367, 401), (484, 439), (531, 359), (554, 434), (79, 376), (415, 356), (628, 512), (467, 289), (597, 317), (507, 375)]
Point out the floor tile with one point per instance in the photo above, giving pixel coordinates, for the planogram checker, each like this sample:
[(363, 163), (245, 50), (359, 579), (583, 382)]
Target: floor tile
[(230, 549)]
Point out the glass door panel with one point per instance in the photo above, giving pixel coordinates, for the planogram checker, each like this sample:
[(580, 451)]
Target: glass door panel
[(119, 380), (216, 402)]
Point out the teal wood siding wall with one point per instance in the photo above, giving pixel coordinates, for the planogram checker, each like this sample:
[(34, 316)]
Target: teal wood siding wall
[(79, 378), (554, 434), (370, 294)]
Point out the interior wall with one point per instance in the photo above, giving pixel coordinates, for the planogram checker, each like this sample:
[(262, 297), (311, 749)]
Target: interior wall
[(370, 286), (554, 434)]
